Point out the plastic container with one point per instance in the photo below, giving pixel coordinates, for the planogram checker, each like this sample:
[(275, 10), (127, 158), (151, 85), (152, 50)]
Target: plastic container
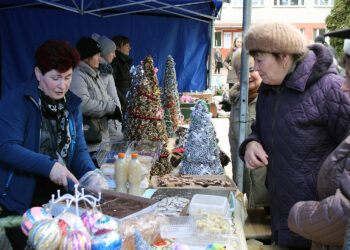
[(107, 152), (213, 204), (178, 227)]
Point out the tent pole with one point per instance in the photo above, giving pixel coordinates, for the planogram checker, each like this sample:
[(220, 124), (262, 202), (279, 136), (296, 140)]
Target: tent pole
[(211, 30), (239, 175)]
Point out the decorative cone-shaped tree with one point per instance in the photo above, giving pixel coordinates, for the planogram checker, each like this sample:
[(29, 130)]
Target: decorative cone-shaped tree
[(137, 78), (170, 97), (145, 120), (202, 155)]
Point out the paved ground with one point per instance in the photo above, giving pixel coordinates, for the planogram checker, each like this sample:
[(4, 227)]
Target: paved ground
[(221, 127), (222, 124)]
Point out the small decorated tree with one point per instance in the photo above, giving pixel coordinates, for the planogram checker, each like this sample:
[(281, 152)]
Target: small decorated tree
[(202, 155), (170, 97), (137, 78), (145, 116)]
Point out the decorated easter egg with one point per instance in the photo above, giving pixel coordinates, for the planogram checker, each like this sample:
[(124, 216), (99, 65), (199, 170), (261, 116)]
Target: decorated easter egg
[(45, 234), (65, 228), (75, 240), (104, 222), (178, 246), (33, 215), (89, 218), (106, 239), (74, 222)]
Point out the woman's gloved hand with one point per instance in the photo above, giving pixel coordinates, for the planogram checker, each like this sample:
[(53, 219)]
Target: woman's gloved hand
[(94, 180)]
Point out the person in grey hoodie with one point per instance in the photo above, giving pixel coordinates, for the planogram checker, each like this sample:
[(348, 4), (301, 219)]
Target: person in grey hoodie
[(108, 48), (88, 85)]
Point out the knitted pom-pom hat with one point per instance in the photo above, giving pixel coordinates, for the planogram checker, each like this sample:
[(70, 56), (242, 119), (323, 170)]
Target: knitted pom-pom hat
[(274, 37)]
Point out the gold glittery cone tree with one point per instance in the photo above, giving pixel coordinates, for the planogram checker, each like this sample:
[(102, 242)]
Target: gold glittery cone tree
[(146, 116)]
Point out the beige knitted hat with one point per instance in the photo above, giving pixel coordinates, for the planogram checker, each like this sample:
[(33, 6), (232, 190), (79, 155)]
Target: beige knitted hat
[(274, 38)]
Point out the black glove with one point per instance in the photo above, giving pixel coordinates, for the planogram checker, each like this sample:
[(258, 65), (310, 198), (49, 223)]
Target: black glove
[(117, 115)]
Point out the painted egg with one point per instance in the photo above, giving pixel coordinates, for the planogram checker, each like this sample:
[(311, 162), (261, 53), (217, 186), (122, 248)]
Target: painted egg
[(74, 222), (33, 215), (89, 218), (45, 234), (75, 240), (106, 239), (65, 228), (104, 223)]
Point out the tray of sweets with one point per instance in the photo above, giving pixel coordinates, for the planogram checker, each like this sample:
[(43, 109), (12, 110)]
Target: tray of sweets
[(193, 181)]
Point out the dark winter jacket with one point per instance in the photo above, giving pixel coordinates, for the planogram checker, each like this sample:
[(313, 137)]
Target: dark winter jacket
[(121, 66), (324, 222), (20, 160), (299, 123)]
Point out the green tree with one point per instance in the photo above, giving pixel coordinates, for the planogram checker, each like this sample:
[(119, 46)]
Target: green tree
[(339, 18)]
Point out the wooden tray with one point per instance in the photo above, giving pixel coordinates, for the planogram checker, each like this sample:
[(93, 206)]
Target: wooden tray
[(232, 187)]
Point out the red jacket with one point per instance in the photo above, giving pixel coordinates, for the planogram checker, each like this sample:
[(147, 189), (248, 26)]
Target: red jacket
[(324, 222)]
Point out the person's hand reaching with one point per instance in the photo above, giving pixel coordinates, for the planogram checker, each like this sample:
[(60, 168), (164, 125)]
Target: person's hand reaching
[(255, 155), (59, 175)]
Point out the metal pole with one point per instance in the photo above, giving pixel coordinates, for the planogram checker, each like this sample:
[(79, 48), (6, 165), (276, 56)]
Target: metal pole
[(247, 7), (211, 30)]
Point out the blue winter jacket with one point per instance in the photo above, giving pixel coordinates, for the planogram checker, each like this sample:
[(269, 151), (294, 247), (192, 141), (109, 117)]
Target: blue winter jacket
[(299, 123), (20, 158)]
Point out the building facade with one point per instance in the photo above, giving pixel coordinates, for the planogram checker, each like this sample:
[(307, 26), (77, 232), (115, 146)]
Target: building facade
[(307, 15)]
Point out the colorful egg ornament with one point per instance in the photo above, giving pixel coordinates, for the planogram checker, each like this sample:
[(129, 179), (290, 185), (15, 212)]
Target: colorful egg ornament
[(89, 218), (106, 239), (104, 222), (74, 222), (33, 215), (45, 234), (75, 240)]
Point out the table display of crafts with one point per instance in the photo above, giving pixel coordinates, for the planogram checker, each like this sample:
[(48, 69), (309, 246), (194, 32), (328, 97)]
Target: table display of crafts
[(207, 224)]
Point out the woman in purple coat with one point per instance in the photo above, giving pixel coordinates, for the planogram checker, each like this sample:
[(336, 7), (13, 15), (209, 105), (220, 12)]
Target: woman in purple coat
[(302, 115), (324, 220)]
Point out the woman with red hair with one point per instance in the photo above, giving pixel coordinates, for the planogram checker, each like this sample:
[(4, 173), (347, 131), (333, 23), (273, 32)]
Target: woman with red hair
[(42, 146)]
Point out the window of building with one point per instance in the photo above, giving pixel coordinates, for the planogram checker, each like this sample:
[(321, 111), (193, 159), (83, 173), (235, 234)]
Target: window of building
[(301, 30), (318, 32), (217, 43), (257, 3), (326, 3), (288, 2), (227, 40), (237, 3)]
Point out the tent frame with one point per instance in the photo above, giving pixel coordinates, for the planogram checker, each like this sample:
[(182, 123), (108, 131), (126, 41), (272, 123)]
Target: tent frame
[(143, 6)]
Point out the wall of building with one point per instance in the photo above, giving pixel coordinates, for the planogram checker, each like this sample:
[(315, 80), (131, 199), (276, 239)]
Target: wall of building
[(307, 18)]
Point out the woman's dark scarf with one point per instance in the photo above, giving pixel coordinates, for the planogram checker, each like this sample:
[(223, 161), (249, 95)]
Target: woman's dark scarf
[(56, 109)]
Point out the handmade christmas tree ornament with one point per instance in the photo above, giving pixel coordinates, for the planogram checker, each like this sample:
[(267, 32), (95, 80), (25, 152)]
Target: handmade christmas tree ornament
[(140, 243), (89, 218), (45, 234), (146, 115), (106, 239), (104, 222), (170, 98), (33, 215), (65, 228), (75, 240), (202, 155)]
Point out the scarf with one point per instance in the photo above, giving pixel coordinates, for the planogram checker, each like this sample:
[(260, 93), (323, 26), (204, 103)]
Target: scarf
[(56, 109), (253, 93)]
